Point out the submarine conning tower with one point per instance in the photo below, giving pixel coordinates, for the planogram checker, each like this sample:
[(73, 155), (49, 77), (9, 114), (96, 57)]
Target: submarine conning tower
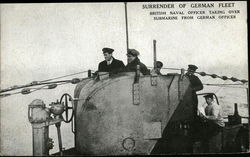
[(129, 113)]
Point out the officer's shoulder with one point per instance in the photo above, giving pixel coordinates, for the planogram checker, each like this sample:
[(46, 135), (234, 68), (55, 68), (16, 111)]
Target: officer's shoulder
[(102, 62), (194, 76), (118, 61), (143, 65)]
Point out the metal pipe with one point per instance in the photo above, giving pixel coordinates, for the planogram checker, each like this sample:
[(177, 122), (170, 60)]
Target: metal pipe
[(248, 118), (40, 136), (126, 20), (58, 125), (154, 43)]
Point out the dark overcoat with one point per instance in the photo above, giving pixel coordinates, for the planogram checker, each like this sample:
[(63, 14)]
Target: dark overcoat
[(132, 67), (196, 85), (115, 67), (196, 126)]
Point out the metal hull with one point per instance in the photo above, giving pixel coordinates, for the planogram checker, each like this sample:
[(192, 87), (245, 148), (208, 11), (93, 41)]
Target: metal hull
[(108, 122)]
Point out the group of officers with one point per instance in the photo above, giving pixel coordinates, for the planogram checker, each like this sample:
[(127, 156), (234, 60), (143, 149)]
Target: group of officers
[(212, 117), (113, 66)]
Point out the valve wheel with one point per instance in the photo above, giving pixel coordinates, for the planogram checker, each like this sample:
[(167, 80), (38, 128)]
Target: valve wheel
[(64, 99)]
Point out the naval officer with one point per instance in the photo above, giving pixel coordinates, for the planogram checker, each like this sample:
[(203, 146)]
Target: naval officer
[(196, 84), (110, 64), (133, 61)]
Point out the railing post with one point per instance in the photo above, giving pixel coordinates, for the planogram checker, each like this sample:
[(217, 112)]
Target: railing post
[(154, 43), (89, 73), (248, 118)]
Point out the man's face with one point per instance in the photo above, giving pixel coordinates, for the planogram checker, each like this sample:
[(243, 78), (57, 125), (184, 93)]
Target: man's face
[(107, 56), (158, 66), (158, 69), (190, 72), (130, 58), (209, 100)]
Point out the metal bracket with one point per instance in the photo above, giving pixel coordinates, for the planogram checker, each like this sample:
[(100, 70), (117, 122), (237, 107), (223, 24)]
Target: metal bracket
[(137, 74), (153, 80), (136, 93)]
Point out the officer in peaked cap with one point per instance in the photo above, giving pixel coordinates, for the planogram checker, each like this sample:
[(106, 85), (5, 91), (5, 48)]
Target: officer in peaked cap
[(195, 82), (133, 61), (196, 85), (110, 64)]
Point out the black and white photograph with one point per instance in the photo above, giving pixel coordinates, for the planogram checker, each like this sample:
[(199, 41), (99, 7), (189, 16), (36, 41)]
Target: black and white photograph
[(124, 78)]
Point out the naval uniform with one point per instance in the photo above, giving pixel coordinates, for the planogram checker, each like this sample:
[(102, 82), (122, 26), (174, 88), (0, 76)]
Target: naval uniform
[(196, 85), (132, 66), (115, 66)]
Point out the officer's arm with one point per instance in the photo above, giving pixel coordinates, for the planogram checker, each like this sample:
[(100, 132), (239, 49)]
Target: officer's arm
[(198, 85), (121, 67), (100, 67), (144, 70)]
